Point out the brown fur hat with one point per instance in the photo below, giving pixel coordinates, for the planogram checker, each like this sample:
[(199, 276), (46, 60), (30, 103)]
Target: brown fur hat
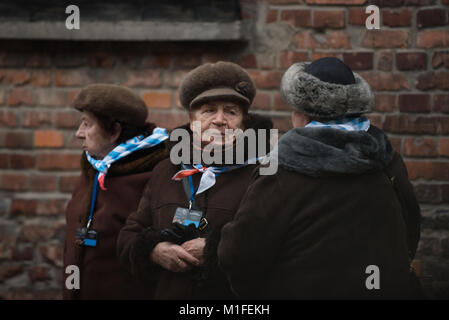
[(116, 102), (220, 80)]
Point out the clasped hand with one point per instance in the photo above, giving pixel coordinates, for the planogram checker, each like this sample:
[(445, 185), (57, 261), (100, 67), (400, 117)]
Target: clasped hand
[(179, 258)]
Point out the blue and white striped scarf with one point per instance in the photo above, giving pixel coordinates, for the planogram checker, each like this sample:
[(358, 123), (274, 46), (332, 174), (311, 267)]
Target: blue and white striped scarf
[(347, 124), (124, 149)]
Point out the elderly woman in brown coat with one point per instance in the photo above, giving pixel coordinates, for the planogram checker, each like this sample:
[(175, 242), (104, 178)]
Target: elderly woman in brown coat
[(121, 149), (176, 258), (339, 219)]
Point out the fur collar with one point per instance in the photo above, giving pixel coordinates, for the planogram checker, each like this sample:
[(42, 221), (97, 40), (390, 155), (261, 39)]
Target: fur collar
[(325, 100), (322, 151)]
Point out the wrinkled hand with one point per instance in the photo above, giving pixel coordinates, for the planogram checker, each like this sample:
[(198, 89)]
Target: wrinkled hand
[(196, 248), (173, 257)]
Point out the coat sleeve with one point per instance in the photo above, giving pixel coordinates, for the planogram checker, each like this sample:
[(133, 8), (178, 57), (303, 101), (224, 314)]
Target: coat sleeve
[(137, 239), (410, 207), (249, 244)]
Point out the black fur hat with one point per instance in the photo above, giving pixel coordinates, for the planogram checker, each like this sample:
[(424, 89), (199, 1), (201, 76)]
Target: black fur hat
[(220, 80), (116, 102)]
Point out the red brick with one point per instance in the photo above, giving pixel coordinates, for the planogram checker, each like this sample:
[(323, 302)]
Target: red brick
[(441, 103), (247, 61), (18, 140), (433, 80), (431, 18), (412, 124), (37, 274), (186, 60), (359, 60), (287, 58), (262, 100), (41, 182), (168, 120), (52, 254), (402, 18), (385, 103), (297, 18), (12, 59), (419, 2), (38, 60), (143, 78), (272, 16), (64, 78), (286, 1), (420, 147), (36, 119), (327, 2), (21, 96), (386, 81), (13, 182), (21, 161), (375, 120), (101, 60), (51, 207), (51, 98), (280, 104), (305, 40), (328, 19), (7, 119), (10, 270), (338, 40), (385, 61), (157, 99), (2, 97), (428, 193), (156, 61), (58, 161), (48, 138), (443, 147), (22, 253), (428, 170), (411, 61), (266, 79), (67, 119), (357, 16), (324, 54), (385, 39), (433, 39), (396, 143), (41, 78), (414, 103), (440, 58), (174, 78), (16, 77), (4, 162), (33, 231)]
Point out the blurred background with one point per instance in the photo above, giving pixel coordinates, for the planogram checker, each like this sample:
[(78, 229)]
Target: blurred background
[(150, 45)]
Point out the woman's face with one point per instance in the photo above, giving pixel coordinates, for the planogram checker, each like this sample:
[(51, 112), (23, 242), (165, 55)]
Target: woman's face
[(218, 115), (94, 138)]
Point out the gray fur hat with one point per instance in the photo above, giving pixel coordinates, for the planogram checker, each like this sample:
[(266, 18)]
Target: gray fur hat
[(325, 100)]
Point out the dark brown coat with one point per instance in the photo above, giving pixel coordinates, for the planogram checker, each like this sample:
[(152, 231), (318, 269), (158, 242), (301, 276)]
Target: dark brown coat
[(101, 275), (161, 197), (301, 236)]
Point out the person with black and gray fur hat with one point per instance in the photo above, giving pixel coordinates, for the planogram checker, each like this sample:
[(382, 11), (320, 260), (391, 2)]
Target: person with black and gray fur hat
[(339, 219), (170, 241), (120, 150)]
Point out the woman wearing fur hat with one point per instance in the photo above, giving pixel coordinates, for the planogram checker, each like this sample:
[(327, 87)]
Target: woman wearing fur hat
[(339, 219), (170, 242), (120, 151)]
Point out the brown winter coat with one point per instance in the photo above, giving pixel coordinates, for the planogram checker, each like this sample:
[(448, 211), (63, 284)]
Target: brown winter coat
[(312, 229), (161, 197), (101, 276)]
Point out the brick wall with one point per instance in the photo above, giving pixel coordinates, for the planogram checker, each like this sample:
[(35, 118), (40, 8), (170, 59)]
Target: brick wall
[(406, 62)]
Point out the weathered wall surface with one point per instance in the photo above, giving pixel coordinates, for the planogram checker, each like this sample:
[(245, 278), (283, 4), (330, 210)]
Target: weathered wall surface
[(406, 62)]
